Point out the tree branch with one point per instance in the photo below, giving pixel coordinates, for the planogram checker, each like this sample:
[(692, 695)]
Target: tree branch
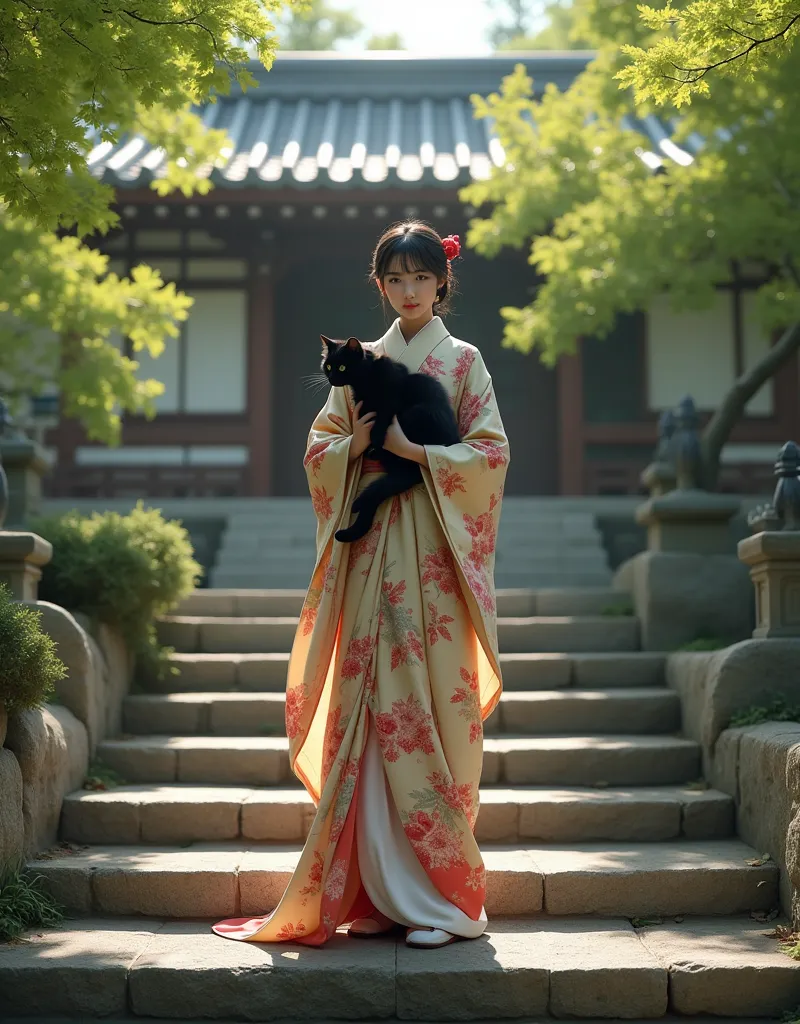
[(701, 72), (733, 404)]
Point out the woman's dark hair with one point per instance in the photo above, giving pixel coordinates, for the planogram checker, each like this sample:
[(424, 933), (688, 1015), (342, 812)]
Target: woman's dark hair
[(415, 245)]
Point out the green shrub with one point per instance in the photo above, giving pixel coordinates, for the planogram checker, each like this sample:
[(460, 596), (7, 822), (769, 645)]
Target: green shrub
[(776, 711), (705, 643), (124, 570), (29, 665), (24, 904)]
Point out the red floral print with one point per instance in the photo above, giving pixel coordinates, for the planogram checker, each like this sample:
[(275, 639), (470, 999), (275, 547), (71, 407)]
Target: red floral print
[(398, 627), (482, 531), (435, 845), (437, 625), (456, 797), (365, 546), (450, 481), (480, 585), (463, 365), (407, 727), (334, 737), (314, 877), (439, 568), (433, 367), (468, 697), (291, 931), (476, 879), (322, 502), (315, 456), (394, 592), (470, 409), (295, 702), (336, 880), (358, 656), (495, 456)]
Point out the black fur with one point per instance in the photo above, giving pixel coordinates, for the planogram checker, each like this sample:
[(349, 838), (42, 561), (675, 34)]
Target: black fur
[(388, 389)]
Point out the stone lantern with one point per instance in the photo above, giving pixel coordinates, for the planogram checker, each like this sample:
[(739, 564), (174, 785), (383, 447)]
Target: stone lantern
[(773, 553)]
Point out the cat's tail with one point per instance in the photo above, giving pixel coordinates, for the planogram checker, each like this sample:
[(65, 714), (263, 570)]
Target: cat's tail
[(401, 477)]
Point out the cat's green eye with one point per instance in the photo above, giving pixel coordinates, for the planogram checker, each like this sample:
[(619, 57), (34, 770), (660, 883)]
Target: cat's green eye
[(327, 366), (342, 369)]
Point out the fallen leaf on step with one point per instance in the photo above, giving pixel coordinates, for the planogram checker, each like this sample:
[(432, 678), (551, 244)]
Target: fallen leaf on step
[(699, 785), (759, 862), (646, 922)]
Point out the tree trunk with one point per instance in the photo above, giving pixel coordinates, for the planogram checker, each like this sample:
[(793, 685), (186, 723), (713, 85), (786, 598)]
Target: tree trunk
[(733, 404)]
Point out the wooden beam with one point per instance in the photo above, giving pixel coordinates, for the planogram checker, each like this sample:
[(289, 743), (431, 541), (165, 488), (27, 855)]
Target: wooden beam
[(259, 383), (570, 417)]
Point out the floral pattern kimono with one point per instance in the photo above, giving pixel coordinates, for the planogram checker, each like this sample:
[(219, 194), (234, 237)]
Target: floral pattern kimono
[(400, 628)]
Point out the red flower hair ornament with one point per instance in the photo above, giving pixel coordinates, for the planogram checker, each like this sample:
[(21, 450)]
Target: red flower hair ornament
[(452, 247)]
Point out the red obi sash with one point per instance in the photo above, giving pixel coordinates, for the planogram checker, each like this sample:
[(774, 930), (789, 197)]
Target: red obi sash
[(372, 466)]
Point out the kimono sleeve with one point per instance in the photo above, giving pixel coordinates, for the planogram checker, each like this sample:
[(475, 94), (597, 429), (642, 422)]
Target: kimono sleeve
[(332, 477), (466, 484)]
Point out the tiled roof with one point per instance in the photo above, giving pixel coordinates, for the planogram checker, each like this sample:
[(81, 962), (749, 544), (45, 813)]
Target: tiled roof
[(372, 122)]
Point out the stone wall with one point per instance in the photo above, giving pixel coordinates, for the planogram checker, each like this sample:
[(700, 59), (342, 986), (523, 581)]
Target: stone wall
[(759, 766), (45, 753)]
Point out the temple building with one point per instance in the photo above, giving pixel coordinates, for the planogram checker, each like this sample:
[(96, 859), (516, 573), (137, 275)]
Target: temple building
[(324, 154)]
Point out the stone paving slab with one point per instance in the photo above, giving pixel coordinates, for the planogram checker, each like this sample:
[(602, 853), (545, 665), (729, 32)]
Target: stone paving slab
[(533, 969), (632, 880), (720, 970), (180, 813), (216, 760)]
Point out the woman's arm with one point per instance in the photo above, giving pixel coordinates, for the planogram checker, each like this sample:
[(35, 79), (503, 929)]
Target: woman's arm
[(397, 442)]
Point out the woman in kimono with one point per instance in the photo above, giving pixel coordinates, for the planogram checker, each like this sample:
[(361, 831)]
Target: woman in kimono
[(395, 666)]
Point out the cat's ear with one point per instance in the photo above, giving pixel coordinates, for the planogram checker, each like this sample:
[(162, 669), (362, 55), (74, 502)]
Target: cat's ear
[(354, 345), (327, 344)]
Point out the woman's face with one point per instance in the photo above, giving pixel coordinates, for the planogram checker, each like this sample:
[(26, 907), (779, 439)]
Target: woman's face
[(411, 293)]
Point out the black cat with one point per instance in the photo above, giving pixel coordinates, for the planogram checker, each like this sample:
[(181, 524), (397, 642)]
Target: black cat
[(388, 389)]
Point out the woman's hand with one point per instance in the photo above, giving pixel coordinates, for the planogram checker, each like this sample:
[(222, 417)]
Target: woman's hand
[(397, 442), (362, 427)]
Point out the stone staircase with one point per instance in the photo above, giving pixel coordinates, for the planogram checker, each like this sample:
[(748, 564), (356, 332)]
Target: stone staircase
[(616, 885), (542, 543)]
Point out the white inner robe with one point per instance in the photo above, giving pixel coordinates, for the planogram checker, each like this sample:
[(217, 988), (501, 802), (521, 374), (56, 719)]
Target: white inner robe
[(392, 876)]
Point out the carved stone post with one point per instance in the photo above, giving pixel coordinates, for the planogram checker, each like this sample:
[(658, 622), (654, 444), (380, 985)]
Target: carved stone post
[(773, 553), (689, 583), (25, 464)]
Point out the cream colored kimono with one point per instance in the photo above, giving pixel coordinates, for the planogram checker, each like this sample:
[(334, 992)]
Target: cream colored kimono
[(395, 666)]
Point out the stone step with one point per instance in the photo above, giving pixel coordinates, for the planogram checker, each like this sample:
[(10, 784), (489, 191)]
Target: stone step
[(523, 602), (266, 556), (220, 635), (589, 634), (176, 813), (507, 577), (267, 672), (591, 969), (541, 713), (218, 879), (520, 760)]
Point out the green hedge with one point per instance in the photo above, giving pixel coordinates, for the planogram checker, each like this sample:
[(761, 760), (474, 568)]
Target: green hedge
[(124, 570), (29, 665)]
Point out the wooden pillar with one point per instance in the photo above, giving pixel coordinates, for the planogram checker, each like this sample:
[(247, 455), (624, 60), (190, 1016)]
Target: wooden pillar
[(570, 416), (259, 383)]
